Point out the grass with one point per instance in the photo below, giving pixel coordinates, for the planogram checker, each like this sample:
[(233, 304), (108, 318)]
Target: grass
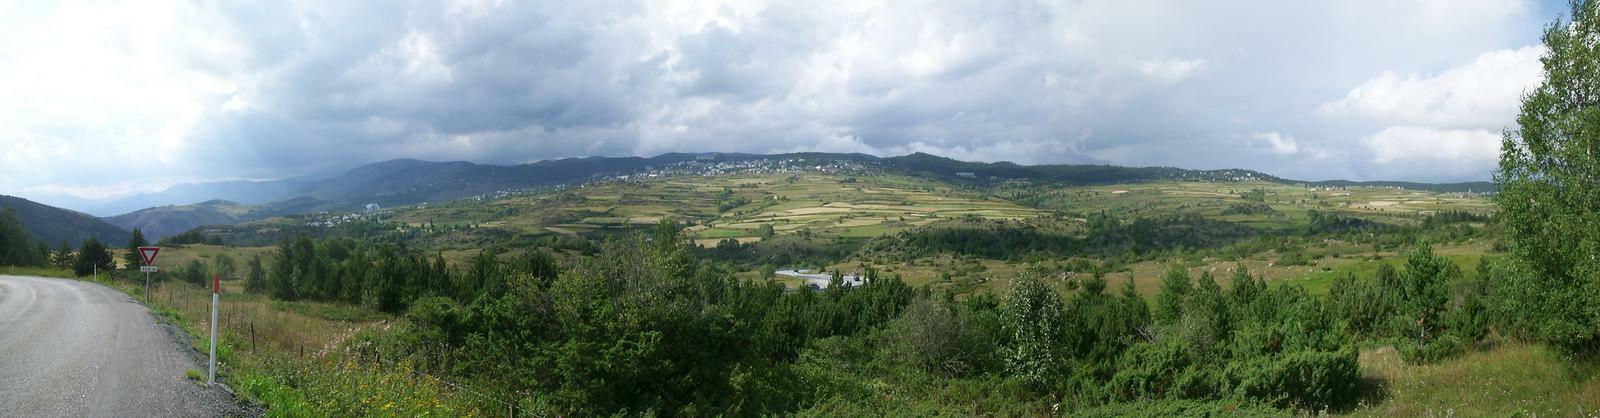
[(1511, 379), (348, 388), (1291, 204), (173, 258), (60, 273), (330, 311)]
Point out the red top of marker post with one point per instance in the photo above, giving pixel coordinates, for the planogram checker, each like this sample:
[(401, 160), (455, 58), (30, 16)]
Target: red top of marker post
[(216, 283)]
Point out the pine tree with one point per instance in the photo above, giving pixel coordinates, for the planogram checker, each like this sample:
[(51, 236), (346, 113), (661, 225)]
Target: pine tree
[(62, 257), (132, 260), (255, 280), (1175, 288), (92, 257)]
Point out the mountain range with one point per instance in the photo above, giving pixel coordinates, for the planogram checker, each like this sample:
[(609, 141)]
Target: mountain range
[(407, 181), (54, 226)]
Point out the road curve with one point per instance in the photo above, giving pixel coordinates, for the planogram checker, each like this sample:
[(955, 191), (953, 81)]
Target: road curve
[(78, 349), (820, 280)]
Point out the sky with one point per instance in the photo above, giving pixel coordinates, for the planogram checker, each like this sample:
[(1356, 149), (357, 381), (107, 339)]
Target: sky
[(104, 98)]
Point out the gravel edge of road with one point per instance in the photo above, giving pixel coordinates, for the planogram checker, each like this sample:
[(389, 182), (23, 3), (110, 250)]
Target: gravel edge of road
[(181, 341)]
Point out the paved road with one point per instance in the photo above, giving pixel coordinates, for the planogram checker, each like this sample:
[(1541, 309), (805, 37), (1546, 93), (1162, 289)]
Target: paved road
[(820, 280), (79, 349)]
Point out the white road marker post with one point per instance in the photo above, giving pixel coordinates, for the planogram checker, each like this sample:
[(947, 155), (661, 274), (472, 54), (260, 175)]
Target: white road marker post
[(216, 287)]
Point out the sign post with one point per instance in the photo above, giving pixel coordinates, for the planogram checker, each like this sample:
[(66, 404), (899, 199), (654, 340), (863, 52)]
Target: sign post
[(148, 254), (216, 289)]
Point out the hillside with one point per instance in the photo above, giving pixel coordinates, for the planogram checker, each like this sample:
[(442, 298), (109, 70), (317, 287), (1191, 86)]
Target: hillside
[(241, 191), (406, 181), (413, 181), (169, 220), (952, 169), (164, 221), (1466, 187), (52, 225)]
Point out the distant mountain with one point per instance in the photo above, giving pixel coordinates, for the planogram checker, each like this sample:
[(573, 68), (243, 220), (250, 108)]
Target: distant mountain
[(952, 169), (52, 225), (241, 191), (411, 181), (1472, 186), (406, 181), (165, 221), (169, 220)]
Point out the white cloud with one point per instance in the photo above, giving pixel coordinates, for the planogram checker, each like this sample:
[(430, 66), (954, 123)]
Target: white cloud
[(1280, 144), (1277, 143), (1443, 125), (1473, 149), (1482, 94), (1170, 70)]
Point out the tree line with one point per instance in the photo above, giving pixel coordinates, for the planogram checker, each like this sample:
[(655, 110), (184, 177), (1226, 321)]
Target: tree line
[(646, 326)]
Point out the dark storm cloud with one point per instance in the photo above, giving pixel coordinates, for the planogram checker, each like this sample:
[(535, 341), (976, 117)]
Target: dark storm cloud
[(1311, 90)]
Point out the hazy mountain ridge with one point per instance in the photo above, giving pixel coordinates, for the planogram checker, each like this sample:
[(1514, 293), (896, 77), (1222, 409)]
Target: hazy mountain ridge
[(1463, 187), (240, 191), (165, 221), (410, 181), (53, 226), (948, 168)]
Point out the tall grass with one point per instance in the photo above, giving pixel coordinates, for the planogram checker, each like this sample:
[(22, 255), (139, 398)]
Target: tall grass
[(289, 357), (1511, 379)]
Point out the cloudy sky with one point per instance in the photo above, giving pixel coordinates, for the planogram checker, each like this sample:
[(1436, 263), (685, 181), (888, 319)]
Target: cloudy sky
[(99, 99)]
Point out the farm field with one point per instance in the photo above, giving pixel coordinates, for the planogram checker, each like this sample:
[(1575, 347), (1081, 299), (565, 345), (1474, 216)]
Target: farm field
[(726, 207), (1289, 205), (823, 209)]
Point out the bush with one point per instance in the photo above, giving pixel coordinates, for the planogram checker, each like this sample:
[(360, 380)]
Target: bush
[(1180, 408), (1304, 379), (1034, 318), (1294, 258), (936, 336), (1431, 351), (194, 273)]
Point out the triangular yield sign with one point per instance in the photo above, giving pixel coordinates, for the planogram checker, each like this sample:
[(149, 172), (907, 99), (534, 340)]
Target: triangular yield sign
[(149, 254)]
